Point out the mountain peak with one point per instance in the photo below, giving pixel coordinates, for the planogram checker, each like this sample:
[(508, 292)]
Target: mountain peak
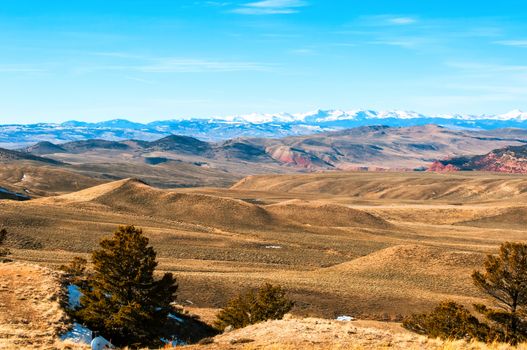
[(514, 114)]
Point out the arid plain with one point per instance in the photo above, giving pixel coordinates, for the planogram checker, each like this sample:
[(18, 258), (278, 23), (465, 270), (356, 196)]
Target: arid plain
[(372, 245)]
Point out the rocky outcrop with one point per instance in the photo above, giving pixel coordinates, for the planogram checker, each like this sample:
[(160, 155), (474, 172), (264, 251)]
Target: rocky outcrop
[(439, 167), (511, 160)]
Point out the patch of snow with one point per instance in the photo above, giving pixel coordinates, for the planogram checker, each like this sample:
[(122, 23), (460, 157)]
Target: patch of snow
[(273, 247), (514, 114), (74, 296), (78, 334), (345, 318), (100, 343)]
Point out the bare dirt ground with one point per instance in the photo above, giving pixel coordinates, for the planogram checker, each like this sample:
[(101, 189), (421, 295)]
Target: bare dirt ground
[(31, 316)]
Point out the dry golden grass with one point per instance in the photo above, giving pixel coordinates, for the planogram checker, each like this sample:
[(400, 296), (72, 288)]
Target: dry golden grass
[(373, 245), (312, 333), (42, 180), (31, 316), (411, 186)]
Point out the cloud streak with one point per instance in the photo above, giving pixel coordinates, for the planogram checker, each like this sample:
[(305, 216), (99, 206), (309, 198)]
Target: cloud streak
[(516, 43), (16, 68), (402, 20), (183, 65), (270, 7)]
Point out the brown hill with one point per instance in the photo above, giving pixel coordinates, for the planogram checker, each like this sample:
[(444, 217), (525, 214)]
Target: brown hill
[(395, 186), (180, 144), (133, 196), (37, 180), (410, 259), (9, 156), (90, 145), (44, 147), (513, 218), (325, 214)]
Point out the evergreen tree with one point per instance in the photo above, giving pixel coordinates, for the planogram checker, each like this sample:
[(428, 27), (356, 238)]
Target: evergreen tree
[(122, 300), (267, 303), (505, 279)]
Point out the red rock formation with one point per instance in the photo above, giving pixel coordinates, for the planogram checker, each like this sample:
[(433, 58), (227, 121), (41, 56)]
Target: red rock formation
[(505, 160), (439, 167)]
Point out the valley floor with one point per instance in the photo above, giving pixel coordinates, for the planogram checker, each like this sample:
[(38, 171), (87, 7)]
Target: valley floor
[(370, 245)]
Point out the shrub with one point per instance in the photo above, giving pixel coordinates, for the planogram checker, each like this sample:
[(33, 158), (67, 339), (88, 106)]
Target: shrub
[(448, 320), (76, 267), (76, 272), (122, 300), (3, 251), (267, 303)]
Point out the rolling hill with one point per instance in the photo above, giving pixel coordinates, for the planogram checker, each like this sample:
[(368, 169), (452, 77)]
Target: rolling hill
[(476, 187), (371, 245), (10, 155)]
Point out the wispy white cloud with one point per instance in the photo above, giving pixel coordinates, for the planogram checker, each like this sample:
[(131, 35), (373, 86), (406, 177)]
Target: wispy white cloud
[(404, 42), (140, 80), (486, 67), (217, 3), (20, 68), (386, 20), (402, 20), (303, 52), (270, 7), (181, 65), (517, 43)]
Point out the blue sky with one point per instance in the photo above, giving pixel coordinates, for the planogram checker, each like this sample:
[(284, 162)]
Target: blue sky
[(161, 59)]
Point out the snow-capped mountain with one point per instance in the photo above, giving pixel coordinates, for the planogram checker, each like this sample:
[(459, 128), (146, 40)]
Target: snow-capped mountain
[(322, 116), (251, 125)]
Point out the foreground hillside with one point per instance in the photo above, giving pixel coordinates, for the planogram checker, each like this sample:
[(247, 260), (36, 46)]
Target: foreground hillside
[(32, 318), (323, 334), (31, 315)]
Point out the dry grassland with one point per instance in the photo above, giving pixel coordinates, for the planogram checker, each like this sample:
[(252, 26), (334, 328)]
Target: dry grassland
[(372, 245)]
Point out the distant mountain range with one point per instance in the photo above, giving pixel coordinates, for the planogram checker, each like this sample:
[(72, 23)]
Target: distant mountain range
[(253, 125), (367, 148), (47, 168)]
